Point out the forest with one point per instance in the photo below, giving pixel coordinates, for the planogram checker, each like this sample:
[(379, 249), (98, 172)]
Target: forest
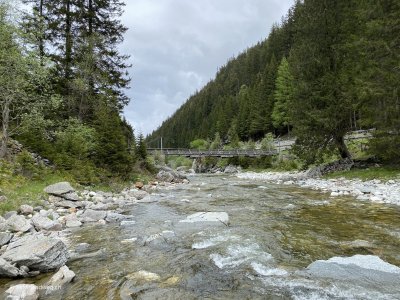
[(63, 84), (328, 68)]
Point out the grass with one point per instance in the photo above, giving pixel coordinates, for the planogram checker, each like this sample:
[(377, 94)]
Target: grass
[(20, 190), (383, 173)]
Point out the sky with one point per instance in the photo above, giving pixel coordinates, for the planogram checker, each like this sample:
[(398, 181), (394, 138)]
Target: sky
[(177, 46)]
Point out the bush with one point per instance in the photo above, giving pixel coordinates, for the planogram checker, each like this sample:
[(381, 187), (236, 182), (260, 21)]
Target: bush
[(385, 148), (179, 161), (27, 165), (286, 163), (199, 144)]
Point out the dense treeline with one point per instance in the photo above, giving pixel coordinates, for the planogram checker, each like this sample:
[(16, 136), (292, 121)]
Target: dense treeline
[(328, 68), (62, 85)]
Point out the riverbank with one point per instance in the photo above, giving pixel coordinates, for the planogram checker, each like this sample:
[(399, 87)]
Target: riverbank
[(376, 190), (218, 236)]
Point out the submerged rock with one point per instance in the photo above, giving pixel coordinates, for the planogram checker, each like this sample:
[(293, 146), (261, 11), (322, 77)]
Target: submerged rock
[(221, 217), (362, 270), (37, 252), (23, 292)]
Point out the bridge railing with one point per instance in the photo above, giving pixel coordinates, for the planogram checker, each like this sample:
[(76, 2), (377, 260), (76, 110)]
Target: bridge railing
[(215, 153)]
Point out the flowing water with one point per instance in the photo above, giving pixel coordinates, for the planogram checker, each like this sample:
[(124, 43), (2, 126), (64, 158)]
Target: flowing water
[(274, 232)]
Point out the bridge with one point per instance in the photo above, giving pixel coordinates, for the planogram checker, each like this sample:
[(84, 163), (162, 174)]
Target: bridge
[(192, 153)]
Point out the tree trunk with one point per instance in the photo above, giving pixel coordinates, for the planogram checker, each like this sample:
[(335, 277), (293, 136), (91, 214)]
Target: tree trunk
[(4, 138), (68, 40), (41, 39), (344, 152)]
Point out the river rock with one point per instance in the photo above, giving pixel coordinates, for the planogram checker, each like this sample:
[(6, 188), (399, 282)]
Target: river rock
[(18, 223), (44, 223), (363, 270), (138, 194), (5, 238), (113, 217), (71, 196), (37, 252), (60, 279), (221, 217), (165, 176), (59, 189), (23, 292), (142, 276), (231, 170), (26, 209), (68, 204), (71, 221), (8, 270), (127, 223), (3, 224), (9, 214), (169, 175), (90, 215)]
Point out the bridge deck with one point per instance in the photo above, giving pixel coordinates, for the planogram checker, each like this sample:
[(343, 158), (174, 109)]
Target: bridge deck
[(213, 153)]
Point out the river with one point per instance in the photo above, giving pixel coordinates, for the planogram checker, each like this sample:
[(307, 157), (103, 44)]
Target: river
[(274, 232)]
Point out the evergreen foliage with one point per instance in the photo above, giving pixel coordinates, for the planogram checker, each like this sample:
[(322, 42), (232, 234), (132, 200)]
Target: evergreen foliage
[(62, 85), (339, 71)]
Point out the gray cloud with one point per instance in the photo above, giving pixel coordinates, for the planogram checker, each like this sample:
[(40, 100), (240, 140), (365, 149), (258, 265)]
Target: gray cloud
[(177, 46)]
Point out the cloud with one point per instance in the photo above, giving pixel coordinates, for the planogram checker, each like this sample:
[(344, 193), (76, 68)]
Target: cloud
[(177, 46)]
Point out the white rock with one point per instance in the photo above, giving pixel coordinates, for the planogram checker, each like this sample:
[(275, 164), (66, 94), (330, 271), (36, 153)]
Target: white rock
[(222, 217), (60, 279), (23, 292)]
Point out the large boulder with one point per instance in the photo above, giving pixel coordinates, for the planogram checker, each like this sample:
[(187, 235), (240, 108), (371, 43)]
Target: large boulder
[(45, 223), (59, 189), (18, 223), (37, 252), (23, 292), (169, 175)]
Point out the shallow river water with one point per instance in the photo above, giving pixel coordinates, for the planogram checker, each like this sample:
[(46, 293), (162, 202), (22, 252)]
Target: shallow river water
[(274, 233)]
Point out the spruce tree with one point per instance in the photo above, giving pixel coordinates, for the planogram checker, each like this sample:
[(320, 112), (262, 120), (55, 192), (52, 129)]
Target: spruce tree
[(283, 96)]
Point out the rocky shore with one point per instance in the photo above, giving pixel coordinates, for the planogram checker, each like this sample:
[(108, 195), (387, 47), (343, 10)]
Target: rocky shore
[(373, 190), (35, 240)]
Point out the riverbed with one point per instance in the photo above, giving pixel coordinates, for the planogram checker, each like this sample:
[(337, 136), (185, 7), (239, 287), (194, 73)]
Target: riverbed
[(274, 232)]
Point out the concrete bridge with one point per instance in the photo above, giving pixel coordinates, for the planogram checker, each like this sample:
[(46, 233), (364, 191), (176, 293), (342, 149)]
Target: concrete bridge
[(213, 153)]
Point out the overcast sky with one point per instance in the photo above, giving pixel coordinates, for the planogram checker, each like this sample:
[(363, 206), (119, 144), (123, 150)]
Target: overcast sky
[(177, 46)]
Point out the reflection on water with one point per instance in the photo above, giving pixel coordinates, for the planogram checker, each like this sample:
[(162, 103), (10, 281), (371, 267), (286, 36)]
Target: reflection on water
[(273, 232)]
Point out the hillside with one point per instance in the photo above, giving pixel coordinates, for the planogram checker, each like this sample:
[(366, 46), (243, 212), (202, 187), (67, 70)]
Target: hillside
[(326, 69)]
